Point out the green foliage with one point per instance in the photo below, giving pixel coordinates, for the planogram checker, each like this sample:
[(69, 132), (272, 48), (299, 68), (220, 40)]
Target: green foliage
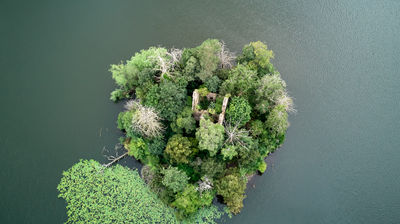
[(95, 194), (231, 188), (167, 98), (271, 88), (179, 149), (257, 56), (137, 71), (137, 148), (210, 136), (229, 151), (156, 146), (207, 54), (174, 179), (262, 167), (213, 84), (277, 121), (189, 201), (211, 168), (124, 123), (241, 82), (119, 94), (185, 122), (256, 128), (238, 112), (203, 157)]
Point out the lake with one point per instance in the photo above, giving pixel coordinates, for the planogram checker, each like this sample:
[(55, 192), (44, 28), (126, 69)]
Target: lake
[(341, 61)]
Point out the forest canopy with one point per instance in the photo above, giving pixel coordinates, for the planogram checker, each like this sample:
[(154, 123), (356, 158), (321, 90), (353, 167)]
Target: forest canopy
[(201, 121)]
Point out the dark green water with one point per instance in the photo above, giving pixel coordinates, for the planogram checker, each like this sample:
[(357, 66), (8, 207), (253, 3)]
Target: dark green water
[(341, 61)]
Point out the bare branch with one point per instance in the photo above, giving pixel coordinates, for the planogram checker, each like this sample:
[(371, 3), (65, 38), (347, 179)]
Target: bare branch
[(226, 57)]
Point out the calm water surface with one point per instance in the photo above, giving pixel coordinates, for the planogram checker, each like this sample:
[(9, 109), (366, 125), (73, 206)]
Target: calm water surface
[(341, 61)]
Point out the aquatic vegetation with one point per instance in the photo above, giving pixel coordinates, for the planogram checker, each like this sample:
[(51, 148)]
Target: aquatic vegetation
[(200, 120)]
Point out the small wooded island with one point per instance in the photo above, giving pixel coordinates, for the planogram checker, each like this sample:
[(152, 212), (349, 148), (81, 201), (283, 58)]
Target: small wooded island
[(200, 120)]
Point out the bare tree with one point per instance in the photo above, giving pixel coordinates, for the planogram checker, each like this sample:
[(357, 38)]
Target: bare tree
[(226, 57), (235, 135), (146, 121)]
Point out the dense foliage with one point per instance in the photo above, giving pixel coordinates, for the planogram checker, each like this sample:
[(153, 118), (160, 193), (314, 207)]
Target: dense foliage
[(202, 151), (95, 194), (200, 120)]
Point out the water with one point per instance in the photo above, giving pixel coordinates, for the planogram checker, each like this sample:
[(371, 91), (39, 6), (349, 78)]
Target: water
[(340, 60)]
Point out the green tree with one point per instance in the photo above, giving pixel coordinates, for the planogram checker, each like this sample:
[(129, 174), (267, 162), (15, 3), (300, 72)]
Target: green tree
[(213, 84), (229, 151), (212, 168), (241, 82), (167, 98), (231, 188), (95, 194), (179, 149), (189, 201), (210, 136), (138, 71), (271, 88), (257, 56), (184, 122), (238, 112), (174, 179), (207, 54), (277, 120)]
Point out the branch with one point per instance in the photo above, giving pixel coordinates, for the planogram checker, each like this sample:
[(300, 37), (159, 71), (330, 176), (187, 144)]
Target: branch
[(115, 160)]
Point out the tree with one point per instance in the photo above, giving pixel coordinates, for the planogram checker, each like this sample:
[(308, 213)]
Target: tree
[(277, 120), (167, 98), (257, 56), (207, 54), (190, 200), (139, 71), (95, 194), (238, 112), (179, 149), (145, 120), (174, 179), (210, 136), (212, 168), (270, 89), (231, 187), (241, 82), (185, 122), (229, 151), (213, 84)]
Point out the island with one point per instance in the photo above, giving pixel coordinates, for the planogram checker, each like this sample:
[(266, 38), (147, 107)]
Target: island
[(201, 121)]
